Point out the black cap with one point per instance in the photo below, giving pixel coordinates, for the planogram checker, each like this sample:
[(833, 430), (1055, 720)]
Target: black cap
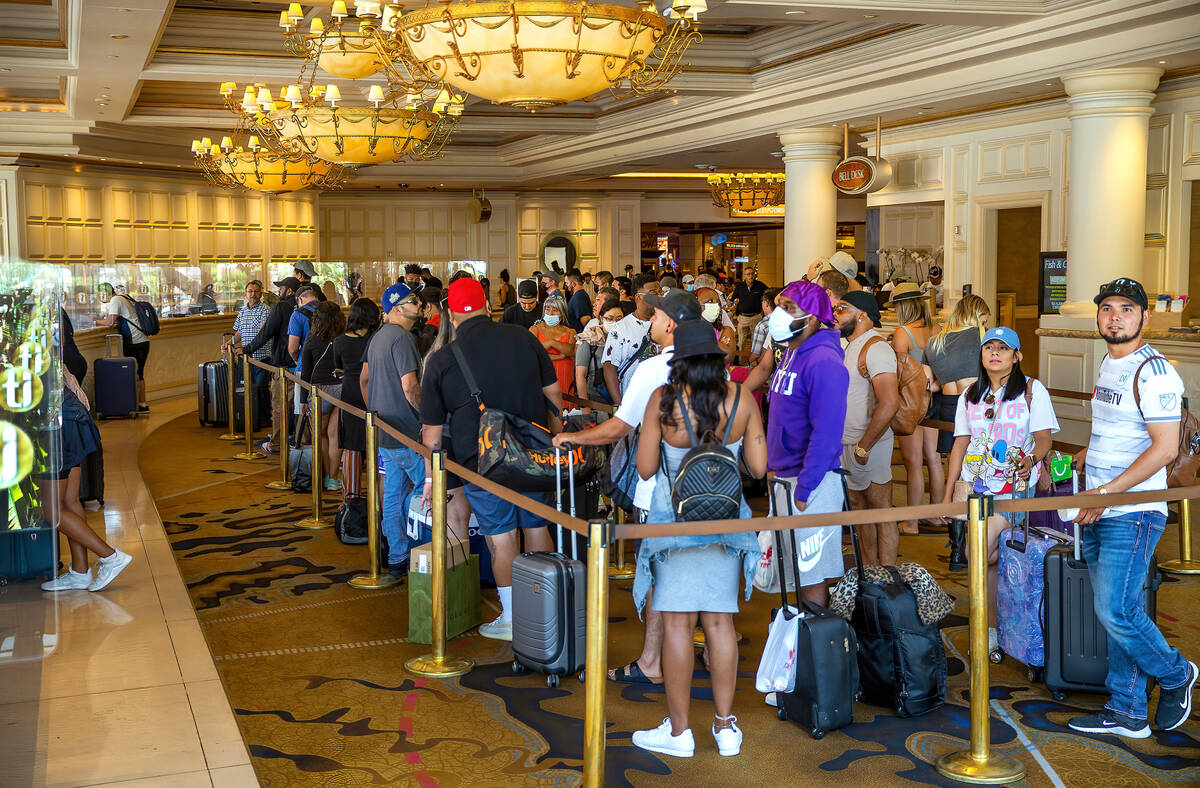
[(864, 302), (290, 282), (695, 338), (680, 305), (1126, 288), (527, 289)]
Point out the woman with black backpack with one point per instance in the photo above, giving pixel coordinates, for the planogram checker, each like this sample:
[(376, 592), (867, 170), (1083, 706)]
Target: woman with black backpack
[(695, 428)]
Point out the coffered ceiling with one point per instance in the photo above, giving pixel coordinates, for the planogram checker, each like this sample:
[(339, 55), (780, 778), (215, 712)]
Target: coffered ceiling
[(135, 81)]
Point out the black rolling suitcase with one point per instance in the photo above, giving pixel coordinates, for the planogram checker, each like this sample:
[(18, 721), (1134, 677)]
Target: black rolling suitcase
[(826, 666), (91, 477), (1076, 642)]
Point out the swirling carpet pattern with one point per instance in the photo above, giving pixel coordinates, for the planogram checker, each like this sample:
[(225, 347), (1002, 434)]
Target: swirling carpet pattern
[(314, 671)]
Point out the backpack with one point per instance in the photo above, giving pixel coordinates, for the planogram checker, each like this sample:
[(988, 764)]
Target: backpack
[(913, 385), (1181, 471), (708, 484), (147, 316)]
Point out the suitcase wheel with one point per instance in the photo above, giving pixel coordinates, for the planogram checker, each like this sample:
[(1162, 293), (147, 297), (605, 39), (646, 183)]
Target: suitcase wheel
[(517, 667), (996, 657), (781, 713), (817, 733), (581, 676), (1037, 675), (1059, 696), (552, 681)]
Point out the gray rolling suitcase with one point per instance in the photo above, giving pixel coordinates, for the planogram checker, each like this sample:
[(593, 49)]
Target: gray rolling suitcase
[(549, 609), (212, 389)]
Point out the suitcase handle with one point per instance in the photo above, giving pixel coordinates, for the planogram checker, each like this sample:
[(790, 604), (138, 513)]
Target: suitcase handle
[(108, 343), (787, 488)]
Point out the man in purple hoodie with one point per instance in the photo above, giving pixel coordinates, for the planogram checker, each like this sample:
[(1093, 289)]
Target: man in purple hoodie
[(804, 434)]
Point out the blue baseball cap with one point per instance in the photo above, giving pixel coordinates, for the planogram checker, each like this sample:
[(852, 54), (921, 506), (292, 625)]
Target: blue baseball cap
[(1004, 334), (394, 295)]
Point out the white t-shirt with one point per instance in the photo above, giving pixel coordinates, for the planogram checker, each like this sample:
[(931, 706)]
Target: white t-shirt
[(122, 307), (651, 373), (622, 342), (1119, 433), (860, 394), (998, 443)]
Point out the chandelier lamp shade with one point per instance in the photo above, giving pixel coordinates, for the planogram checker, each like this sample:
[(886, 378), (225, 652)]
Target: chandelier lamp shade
[(534, 54), (746, 191), (260, 168)]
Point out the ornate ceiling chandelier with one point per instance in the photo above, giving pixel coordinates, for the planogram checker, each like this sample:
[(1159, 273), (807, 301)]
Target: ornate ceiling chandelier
[(746, 191), (255, 166), (534, 54)]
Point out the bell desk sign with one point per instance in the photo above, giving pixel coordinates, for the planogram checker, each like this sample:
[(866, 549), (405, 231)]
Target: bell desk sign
[(861, 175)]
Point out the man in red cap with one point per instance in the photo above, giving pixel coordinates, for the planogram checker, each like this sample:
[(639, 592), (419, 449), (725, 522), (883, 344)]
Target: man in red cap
[(514, 374)]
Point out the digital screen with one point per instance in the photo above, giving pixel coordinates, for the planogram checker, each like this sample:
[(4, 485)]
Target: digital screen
[(1053, 282)]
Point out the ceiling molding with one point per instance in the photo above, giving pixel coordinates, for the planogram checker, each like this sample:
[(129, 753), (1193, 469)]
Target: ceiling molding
[(164, 49), (813, 52), (33, 43)]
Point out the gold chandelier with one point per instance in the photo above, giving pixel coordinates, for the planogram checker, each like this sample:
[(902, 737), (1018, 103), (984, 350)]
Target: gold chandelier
[(539, 53), (257, 167), (746, 191)]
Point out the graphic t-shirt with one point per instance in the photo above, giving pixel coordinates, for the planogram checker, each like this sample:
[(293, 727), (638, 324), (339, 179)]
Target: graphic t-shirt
[(623, 342), (999, 443), (1119, 434)]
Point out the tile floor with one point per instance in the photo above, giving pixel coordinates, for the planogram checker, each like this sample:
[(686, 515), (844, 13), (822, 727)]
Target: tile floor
[(117, 687)]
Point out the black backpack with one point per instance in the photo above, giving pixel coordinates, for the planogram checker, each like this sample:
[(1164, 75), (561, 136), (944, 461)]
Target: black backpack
[(147, 316), (707, 485)]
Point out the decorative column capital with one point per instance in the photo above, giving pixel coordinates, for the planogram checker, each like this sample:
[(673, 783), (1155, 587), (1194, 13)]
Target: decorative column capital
[(1111, 91), (812, 144)]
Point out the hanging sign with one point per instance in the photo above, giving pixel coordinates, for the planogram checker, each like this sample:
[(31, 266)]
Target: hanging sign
[(719, 239), (861, 175)]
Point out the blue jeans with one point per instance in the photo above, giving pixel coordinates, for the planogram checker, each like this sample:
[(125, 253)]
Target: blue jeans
[(1118, 551), (403, 476)]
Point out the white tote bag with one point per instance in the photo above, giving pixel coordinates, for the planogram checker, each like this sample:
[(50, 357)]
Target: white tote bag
[(766, 574), (777, 668)]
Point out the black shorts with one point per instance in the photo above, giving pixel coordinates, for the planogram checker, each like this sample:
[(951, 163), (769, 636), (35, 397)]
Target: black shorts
[(139, 352)]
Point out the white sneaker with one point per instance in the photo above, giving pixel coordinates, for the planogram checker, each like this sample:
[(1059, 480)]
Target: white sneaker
[(69, 580), (729, 740), (771, 699), (660, 740), (107, 569), (500, 629)]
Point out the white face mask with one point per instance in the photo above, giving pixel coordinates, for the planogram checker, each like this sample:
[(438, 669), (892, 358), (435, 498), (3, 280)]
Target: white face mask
[(779, 325), (551, 320), (711, 312)]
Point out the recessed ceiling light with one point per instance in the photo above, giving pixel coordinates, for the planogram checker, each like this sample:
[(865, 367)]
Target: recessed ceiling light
[(926, 107), (118, 36), (920, 113), (870, 16), (1162, 61), (115, 57), (141, 162), (102, 103), (794, 13), (103, 159)]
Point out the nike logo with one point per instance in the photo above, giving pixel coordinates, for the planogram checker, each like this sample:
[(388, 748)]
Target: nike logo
[(810, 550)]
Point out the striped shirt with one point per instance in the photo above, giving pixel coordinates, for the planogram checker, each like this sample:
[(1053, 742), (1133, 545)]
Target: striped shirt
[(1119, 434), (248, 323)]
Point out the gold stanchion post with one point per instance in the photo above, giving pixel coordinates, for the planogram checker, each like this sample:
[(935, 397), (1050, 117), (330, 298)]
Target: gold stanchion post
[(978, 764), (1183, 565), (232, 435), (617, 570), (282, 483), (247, 414), (373, 579), (318, 479), (596, 654), (436, 664)]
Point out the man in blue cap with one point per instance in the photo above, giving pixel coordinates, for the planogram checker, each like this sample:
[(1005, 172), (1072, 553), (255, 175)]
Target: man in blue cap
[(390, 388)]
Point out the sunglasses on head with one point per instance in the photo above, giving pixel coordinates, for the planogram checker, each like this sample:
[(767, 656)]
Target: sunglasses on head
[(1123, 287)]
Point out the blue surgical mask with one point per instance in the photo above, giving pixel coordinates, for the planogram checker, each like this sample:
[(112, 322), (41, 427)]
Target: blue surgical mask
[(551, 320), (779, 325), (691, 287)]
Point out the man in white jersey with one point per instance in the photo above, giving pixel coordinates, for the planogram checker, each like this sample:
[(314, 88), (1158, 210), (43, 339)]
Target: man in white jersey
[(1136, 410)]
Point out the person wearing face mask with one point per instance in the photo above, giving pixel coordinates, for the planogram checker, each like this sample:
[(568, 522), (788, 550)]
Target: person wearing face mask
[(710, 310), (412, 277), (590, 346), (429, 322), (527, 310), (558, 339)]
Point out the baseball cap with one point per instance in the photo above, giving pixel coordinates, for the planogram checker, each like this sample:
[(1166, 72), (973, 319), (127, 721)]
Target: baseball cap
[(1126, 288), (394, 295), (466, 296), (549, 275), (864, 302), (1004, 334), (527, 289), (668, 281), (679, 305), (305, 267), (811, 298), (844, 264), (290, 282), (935, 270), (688, 279)]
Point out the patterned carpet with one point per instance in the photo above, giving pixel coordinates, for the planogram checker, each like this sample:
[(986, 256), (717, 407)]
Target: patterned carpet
[(314, 670)]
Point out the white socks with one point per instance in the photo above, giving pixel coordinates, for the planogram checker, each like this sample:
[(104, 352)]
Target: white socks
[(505, 593)]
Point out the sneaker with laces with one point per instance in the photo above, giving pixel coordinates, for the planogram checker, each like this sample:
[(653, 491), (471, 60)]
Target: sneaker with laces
[(729, 740), (771, 699), (1109, 721), (107, 569), (660, 740), (500, 629), (69, 580), (1175, 705)]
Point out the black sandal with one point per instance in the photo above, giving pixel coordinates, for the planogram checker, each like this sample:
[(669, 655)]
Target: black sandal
[(632, 674)]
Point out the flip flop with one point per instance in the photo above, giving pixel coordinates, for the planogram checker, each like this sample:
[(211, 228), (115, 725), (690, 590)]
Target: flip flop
[(632, 674)]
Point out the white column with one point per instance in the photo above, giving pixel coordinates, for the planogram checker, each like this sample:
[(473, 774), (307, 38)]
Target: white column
[(810, 207), (1106, 216)]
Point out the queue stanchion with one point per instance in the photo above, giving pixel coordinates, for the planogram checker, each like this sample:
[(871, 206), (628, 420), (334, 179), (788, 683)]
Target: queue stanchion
[(247, 414), (373, 579), (595, 667), (618, 570), (436, 664), (978, 764), (230, 367), (1183, 565), (283, 482), (318, 480)]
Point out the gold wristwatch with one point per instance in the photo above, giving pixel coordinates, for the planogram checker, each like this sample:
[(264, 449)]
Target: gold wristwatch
[(859, 451)]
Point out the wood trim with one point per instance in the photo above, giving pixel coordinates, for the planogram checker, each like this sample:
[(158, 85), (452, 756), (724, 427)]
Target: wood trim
[(176, 50), (32, 43)]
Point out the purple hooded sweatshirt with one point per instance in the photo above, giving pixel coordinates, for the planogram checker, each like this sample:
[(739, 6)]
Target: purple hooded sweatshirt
[(808, 412)]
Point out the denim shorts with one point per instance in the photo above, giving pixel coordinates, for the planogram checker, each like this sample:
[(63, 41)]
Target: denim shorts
[(497, 516)]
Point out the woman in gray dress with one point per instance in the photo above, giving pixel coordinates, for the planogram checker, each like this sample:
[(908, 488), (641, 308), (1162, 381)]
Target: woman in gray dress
[(696, 576)]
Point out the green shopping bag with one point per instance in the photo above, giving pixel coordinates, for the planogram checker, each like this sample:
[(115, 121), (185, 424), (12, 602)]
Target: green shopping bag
[(463, 601)]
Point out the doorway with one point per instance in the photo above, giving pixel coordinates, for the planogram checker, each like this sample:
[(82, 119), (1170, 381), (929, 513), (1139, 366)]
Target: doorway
[(1018, 243)]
